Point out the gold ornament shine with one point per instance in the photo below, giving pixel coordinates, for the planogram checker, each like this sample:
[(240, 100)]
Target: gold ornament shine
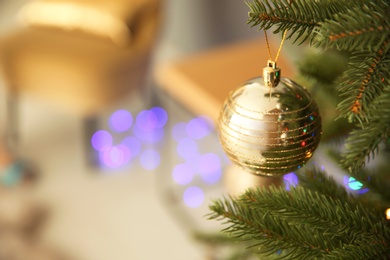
[(267, 130)]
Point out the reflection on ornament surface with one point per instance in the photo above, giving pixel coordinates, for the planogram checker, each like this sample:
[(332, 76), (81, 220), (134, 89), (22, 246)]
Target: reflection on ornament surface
[(270, 131)]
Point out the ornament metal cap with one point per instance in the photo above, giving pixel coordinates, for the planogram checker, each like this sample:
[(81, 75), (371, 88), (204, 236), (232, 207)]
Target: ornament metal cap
[(271, 74)]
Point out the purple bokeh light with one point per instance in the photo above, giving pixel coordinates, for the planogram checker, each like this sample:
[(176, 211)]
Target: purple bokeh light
[(150, 159), (146, 120), (194, 161), (199, 127), (101, 140), (183, 174), (161, 116), (290, 180), (120, 121), (115, 156), (150, 135), (179, 131), (133, 144), (210, 168), (193, 197), (187, 148)]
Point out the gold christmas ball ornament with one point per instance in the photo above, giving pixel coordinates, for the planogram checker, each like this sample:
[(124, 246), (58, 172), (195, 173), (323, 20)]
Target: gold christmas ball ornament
[(271, 125)]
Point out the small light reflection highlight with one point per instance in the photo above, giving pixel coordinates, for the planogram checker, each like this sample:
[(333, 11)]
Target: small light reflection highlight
[(183, 174), (120, 121), (193, 197)]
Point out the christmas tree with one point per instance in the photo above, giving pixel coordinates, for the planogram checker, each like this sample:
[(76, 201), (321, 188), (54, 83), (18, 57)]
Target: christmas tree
[(319, 218)]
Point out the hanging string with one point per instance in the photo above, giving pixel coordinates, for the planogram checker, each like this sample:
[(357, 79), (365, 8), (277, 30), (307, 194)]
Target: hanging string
[(280, 46)]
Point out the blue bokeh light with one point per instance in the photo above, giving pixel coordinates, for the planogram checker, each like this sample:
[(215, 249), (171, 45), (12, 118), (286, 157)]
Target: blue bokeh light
[(150, 159), (161, 116), (193, 197), (120, 121), (183, 174), (101, 140)]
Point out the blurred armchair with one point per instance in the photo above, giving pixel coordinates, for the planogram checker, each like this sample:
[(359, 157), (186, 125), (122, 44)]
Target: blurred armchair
[(82, 54)]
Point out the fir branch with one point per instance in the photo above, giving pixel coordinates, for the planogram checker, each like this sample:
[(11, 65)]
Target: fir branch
[(263, 230), (301, 222), (376, 180), (364, 28), (300, 17), (363, 251), (317, 180), (362, 143), (364, 82)]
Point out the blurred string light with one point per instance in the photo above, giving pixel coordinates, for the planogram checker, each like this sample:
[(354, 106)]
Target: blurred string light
[(207, 166), (147, 129), (183, 173), (193, 197), (150, 159), (120, 121), (133, 144), (290, 180), (101, 140), (187, 148), (354, 185), (199, 127), (210, 168)]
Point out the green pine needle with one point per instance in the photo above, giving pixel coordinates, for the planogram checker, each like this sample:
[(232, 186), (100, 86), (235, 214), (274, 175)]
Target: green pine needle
[(363, 142), (303, 223), (364, 82), (300, 17), (364, 27)]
